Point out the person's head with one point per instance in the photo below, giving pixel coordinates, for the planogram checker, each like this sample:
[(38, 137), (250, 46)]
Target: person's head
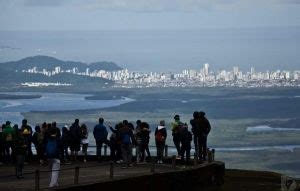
[(138, 122), (76, 121), (101, 120), (162, 123), (53, 124), (201, 114), (125, 122), (37, 129), (24, 122), (65, 129), (83, 126), (177, 117), (16, 127), (52, 132), (196, 114), (7, 123)]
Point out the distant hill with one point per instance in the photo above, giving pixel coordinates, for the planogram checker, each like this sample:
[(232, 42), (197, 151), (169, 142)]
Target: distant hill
[(49, 63), (11, 74)]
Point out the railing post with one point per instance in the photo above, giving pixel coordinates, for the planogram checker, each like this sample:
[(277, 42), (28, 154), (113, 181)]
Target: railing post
[(105, 150), (152, 169), (195, 159), (37, 180), (166, 150), (111, 170), (213, 154), (76, 175), (173, 161)]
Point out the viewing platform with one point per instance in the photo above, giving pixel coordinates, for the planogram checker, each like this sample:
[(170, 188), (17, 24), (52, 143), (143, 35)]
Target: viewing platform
[(111, 176)]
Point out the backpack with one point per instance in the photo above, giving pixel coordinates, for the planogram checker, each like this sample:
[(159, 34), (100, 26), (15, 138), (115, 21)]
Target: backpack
[(51, 148), (159, 137), (126, 139)]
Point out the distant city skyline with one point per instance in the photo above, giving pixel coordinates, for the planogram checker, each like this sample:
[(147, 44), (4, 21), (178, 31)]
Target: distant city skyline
[(201, 77)]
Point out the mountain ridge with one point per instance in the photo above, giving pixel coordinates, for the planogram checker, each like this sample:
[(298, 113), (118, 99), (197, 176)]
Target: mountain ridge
[(49, 63)]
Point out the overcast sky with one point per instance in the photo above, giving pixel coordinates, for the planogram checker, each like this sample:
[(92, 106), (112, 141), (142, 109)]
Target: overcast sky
[(146, 14)]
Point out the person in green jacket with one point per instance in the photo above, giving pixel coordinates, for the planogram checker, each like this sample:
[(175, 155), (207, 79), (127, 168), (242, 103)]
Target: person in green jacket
[(9, 137)]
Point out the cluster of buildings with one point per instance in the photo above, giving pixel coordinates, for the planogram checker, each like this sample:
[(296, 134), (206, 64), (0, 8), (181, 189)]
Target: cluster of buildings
[(203, 77)]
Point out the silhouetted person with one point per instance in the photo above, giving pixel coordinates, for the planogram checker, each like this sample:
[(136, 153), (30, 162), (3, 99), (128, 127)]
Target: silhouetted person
[(160, 140), (75, 137), (176, 125), (204, 129), (27, 133), (100, 135), (185, 140)]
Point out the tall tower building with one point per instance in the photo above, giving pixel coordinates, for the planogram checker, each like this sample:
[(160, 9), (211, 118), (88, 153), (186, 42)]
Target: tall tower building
[(235, 70), (206, 69)]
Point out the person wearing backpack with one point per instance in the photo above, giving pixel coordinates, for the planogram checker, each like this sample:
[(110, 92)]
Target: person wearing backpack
[(100, 134), (9, 137), (53, 148), (127, 141), (160, 140), (176, 125), (204, 131), (185, 140)]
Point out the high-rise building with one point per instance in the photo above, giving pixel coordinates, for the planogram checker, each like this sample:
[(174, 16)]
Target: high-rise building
[(235, 70), (206, 69)]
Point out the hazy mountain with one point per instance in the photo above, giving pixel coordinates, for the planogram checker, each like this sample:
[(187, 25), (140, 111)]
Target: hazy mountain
[(49, 63), (11, 74)]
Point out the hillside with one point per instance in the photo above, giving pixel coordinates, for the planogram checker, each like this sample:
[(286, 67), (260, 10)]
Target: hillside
[(12, 75), (49, 63)]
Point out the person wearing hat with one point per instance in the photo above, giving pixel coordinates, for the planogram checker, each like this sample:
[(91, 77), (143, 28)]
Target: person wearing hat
[(176, 125)]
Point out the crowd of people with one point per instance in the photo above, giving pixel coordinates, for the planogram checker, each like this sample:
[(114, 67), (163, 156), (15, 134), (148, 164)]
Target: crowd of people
[(52, 145)]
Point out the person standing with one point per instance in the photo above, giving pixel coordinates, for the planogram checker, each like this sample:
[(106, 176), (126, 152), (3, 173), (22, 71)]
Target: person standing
[(160, 140), (127, 140), (75, 137), (204, 131), (65, 140), (100, 134), (138, 138), (195, 123), (27, 132), (176, 125), (185, 140), (9, 136), (84, 141), (37, 140), (20, 151), (53, 148)]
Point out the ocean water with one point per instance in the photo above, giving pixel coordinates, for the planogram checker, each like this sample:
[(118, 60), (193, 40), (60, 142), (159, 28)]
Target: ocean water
[(11, 109)]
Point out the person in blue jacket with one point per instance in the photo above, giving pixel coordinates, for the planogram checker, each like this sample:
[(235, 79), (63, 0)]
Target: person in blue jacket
[(100, 135)]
